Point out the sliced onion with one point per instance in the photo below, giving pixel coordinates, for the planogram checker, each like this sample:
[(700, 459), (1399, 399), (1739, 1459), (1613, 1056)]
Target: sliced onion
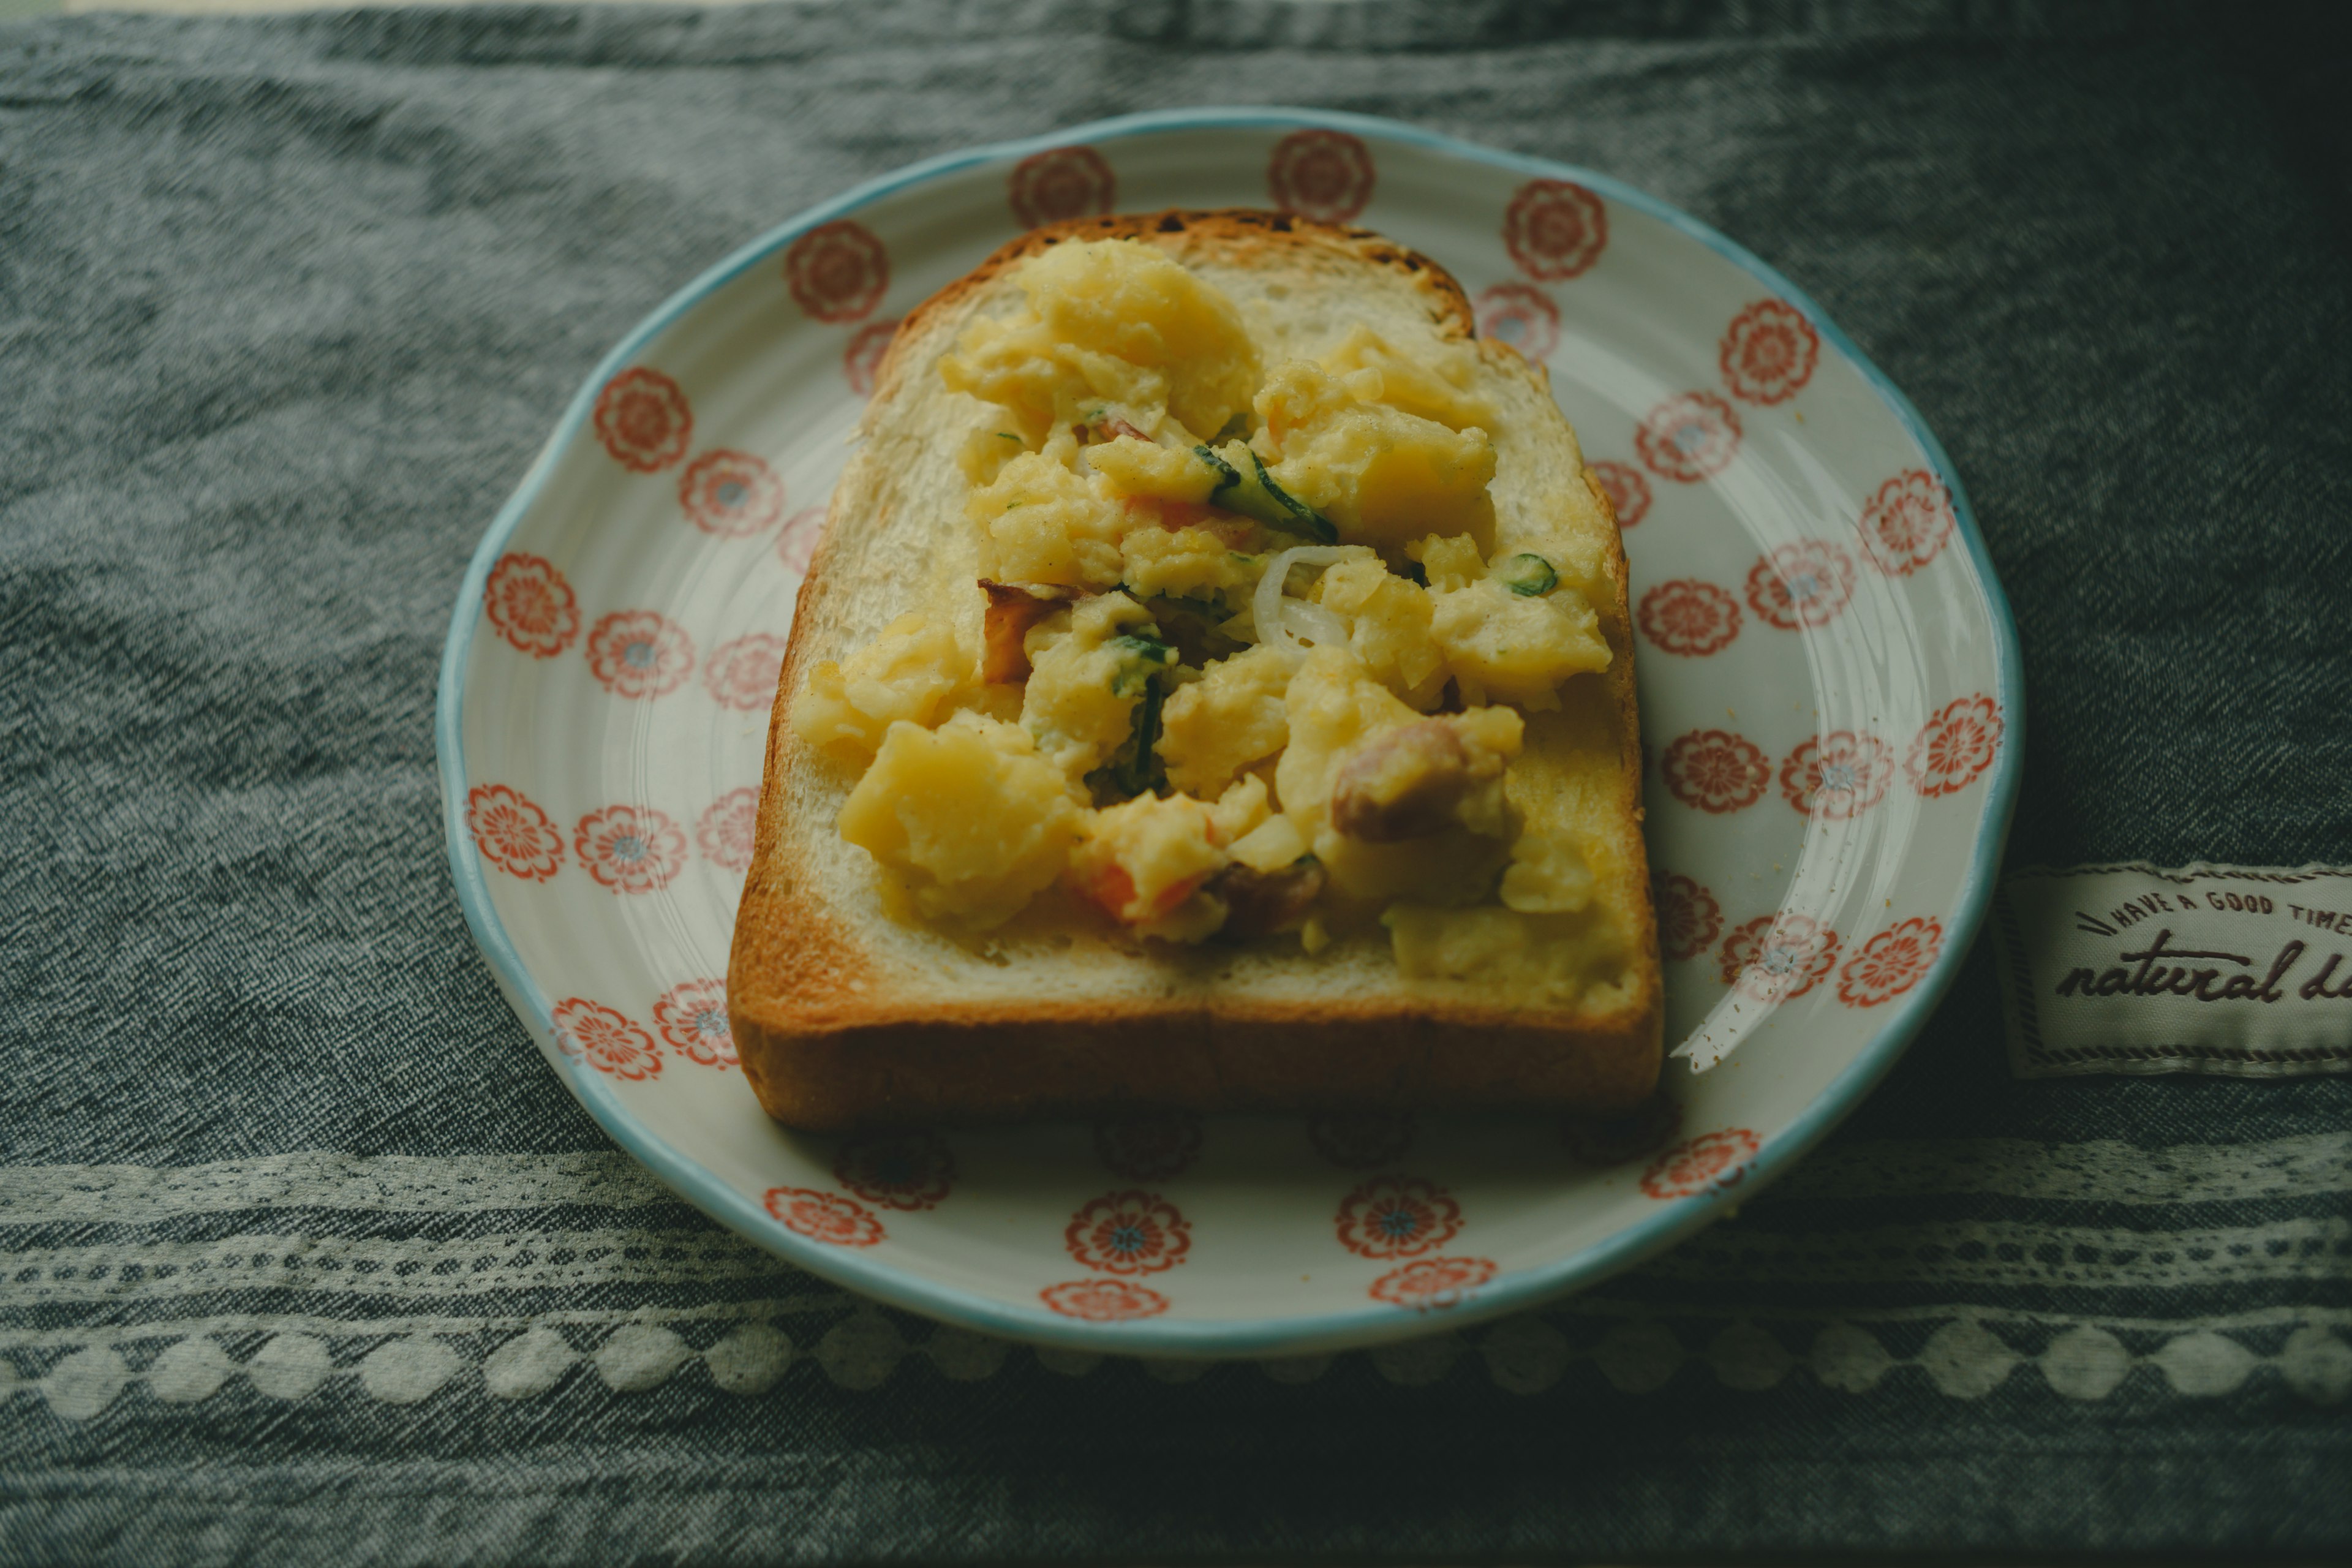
[(1317, 625), (1273, 614)]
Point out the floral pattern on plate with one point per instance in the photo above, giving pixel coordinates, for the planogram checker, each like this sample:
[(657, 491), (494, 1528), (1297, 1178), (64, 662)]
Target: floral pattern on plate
[(692, 1016)]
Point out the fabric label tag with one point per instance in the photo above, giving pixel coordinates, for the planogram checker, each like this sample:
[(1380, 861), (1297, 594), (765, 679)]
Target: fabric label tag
[(2207, 968)]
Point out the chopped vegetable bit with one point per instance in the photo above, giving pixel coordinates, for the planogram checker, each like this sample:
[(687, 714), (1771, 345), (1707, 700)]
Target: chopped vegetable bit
[(1243, 486), (1228, 475), (1259, 903), (1143, 655), (1135, 769), (1012, 609), (1529, 577)]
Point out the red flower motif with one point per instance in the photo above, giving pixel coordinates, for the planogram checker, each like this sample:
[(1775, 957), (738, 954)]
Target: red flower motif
[(827, 1217), (1103, 1300), (1323, 174), (1778, 958), (1688, 437), (1614, 1139), (731, 494), (837, 271), (1906, 524), (692, 1018), (1129, 1232), (513, 833), (1555, 230), (1689, 919), (1148, 1145), (630, 849), (862, 360), (1890, 964), (1954, 746), (897, 1170), (798, 539), (1802, 585), (643, 420), (1360, 1140), (1521, 316), (1061, 183), (605, 1039), (1715, 771), (726, 829), (531, 606), (1433, 1284), (1715, 1160), (1839, 774), (743, 673), (639, 653), (1689, 617), (1629, 492), (1396, 1217), (1769, 352)]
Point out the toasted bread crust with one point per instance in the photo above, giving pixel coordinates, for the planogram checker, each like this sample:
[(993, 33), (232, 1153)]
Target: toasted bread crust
[(826, 1045)]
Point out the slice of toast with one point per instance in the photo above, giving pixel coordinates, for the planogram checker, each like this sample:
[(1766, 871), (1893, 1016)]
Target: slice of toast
[(850, 1011)]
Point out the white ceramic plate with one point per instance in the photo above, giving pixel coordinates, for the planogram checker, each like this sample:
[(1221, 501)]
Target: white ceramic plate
[(1830, 701)]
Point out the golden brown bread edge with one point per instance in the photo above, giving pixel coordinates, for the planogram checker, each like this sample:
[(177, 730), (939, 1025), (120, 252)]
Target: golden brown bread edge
[(827, 1052)]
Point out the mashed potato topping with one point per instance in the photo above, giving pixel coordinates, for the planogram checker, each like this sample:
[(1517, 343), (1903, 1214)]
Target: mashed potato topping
[(1385, 477), (905, 674), (1116, 324), (1273, 670), (972, 819)]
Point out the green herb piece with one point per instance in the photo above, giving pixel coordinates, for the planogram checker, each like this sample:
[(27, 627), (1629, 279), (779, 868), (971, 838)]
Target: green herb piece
[(1226, 473), (1135, 768), (1141, 656), (1529, 577), (1252, 492)]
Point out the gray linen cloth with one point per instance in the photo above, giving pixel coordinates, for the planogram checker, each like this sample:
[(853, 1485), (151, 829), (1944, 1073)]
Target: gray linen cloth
[(288, 304)]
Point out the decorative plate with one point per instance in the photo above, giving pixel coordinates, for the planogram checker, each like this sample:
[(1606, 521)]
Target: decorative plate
[(1830, 701)]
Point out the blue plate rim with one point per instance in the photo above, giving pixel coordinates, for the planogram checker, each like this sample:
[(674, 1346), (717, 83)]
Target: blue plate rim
[(1674, 1219)]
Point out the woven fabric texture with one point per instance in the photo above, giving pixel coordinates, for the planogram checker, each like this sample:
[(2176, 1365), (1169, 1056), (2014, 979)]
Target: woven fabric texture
[(304, 1257)]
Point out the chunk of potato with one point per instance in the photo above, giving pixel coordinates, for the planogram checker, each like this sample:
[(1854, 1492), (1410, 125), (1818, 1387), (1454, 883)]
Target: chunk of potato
[(1383, 476), (1387, 626), (1141, 468), (1143, 862), (968, 817), (1109, 322), (1435, 387), (1041, 523), (1190, 563), (1233, 716), (1124, 299), (906, 675), (1082, 686), (1502, 646)]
